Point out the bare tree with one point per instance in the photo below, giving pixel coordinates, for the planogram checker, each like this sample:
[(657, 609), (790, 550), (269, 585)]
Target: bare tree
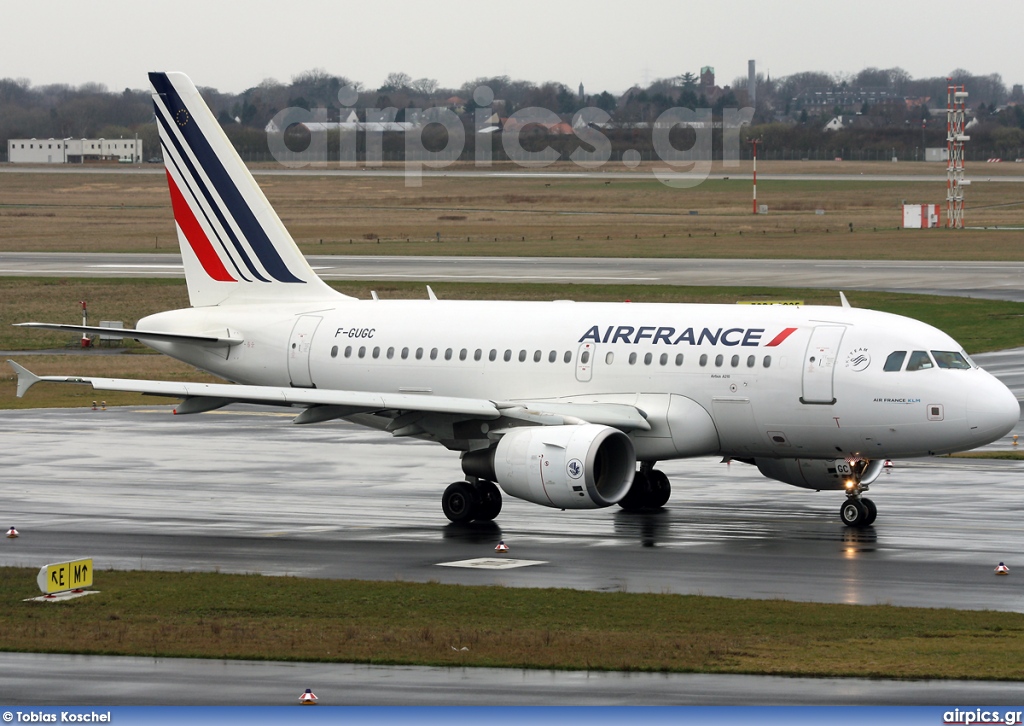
[(426, 86)]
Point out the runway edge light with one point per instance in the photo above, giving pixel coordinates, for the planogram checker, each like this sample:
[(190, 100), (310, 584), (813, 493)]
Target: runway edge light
[(308, 698), (1002, 569), (501, 547), (12, 533)]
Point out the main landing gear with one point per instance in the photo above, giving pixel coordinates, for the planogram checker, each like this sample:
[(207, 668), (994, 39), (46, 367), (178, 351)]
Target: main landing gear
[(858, 512), (465, 501), (651, 490)]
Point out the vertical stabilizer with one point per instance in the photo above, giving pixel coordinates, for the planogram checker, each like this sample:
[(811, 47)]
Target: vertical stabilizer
[(234, 247)]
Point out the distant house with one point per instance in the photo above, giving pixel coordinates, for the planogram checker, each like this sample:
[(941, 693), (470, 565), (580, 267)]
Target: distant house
[(838, 123), (73, 151)]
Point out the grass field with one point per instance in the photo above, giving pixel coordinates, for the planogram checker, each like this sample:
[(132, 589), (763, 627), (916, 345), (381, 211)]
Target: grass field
[(280, 618), (533, 216)]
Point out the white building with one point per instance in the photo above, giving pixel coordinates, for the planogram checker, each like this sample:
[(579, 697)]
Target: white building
[(73, 151)]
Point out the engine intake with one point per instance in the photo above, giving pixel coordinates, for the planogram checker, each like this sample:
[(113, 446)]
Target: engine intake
[(566, 467)]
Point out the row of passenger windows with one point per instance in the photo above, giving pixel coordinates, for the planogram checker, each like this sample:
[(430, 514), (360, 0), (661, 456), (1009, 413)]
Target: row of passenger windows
[(920, 360), (538, 356)]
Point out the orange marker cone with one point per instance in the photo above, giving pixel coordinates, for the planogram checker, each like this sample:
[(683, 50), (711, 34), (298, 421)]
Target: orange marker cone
[(501, 548), (308, 698), (12, 533)]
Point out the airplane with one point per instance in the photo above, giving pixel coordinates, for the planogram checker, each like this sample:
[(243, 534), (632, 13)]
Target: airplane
[(564, 404)]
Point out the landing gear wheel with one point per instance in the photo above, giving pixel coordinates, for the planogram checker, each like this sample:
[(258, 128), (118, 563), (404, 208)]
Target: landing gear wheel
[(460, 502), (659, 489), (636, 497), (854, 513), (872, 511), (490, 500)]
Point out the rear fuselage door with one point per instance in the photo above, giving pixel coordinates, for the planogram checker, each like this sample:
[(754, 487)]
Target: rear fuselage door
[(299, 345), (820, 363)]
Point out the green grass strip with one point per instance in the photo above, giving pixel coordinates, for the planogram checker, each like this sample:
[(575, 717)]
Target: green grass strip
[(207, 615)]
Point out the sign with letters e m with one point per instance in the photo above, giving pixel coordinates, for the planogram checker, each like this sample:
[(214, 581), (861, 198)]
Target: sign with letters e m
[(64, 576)]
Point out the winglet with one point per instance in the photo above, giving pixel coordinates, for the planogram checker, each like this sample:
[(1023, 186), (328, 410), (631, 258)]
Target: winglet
[(430, 293), (843, 300), (26, 378)]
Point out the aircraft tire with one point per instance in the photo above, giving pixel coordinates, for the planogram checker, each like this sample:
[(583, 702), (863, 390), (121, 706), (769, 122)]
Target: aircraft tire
[(659, 489), (853, 513), (460, 502), (490, 501), (636, 498), (872, 511)]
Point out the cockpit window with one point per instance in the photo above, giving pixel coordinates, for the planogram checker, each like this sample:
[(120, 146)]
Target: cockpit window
[(919, 361), (895, 360), (950, 359)]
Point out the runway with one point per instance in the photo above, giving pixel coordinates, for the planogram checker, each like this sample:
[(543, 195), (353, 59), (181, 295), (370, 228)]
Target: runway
[(995, 280)]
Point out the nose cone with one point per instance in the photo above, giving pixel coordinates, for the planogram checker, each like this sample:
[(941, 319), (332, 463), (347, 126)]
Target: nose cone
[(992, 410)]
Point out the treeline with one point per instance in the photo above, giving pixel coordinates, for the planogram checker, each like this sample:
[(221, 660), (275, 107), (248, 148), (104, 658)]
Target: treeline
[(906, 116)]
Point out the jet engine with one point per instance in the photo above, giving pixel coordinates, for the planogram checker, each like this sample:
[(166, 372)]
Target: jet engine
[(567, 467), (821, 473)]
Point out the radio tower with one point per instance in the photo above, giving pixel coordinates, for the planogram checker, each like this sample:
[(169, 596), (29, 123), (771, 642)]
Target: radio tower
[(956, 98)]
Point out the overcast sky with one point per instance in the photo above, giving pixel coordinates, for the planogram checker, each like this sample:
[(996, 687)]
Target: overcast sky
[(606, 45)]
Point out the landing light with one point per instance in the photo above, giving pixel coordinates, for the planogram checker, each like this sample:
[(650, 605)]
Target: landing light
[(849, 483)]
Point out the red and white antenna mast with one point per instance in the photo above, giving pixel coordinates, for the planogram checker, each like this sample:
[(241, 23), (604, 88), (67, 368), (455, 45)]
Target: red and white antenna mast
[(753, 143), (956, 101)]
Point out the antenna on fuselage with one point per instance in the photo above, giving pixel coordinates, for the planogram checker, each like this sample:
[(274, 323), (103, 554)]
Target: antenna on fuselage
[(842, 299)]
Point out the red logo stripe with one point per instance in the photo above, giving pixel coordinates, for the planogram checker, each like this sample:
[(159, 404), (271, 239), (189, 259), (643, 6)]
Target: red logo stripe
[(195, 235), (781, 337)]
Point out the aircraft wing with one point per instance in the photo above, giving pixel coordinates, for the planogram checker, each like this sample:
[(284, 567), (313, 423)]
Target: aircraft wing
[(323, 405), (209, 341)]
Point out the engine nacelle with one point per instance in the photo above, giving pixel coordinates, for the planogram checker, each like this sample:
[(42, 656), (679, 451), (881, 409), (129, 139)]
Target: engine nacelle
[(567, 467), (820, 473)]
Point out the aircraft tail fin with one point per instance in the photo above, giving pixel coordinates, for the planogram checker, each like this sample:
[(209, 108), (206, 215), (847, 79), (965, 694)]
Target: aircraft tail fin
[(234, 247)]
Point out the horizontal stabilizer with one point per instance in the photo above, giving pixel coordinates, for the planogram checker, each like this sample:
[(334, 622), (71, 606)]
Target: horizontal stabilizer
[(207, 341), (26, 378)]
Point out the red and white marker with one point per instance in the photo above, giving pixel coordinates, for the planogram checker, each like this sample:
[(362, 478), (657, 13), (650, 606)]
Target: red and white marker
[(501, 548), (12, 533), (308, 698), (887, 464), (1002, 569)]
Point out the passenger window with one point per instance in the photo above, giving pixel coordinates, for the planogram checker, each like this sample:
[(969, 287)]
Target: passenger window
[(609, 357), (552, 356), (508, 355), (679, 359), (405, 353), (664, 359), (536, 356), (334, 352), (703, 359), (419, 353), (391, 353), (522, 356), (433, 354), (493, 355), (719, 359), (750, 361), (568, 356), (767, 361), (478, 354), (348, 351), (463, 354), (895, 361), (950, 359), (735, 361), (919, 361), (632, 359), (585, 357), (362, 351), (647, 359), (448, 354), (376, 351)]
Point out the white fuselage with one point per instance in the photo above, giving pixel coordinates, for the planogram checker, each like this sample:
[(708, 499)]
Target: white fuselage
[(711, 379)]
